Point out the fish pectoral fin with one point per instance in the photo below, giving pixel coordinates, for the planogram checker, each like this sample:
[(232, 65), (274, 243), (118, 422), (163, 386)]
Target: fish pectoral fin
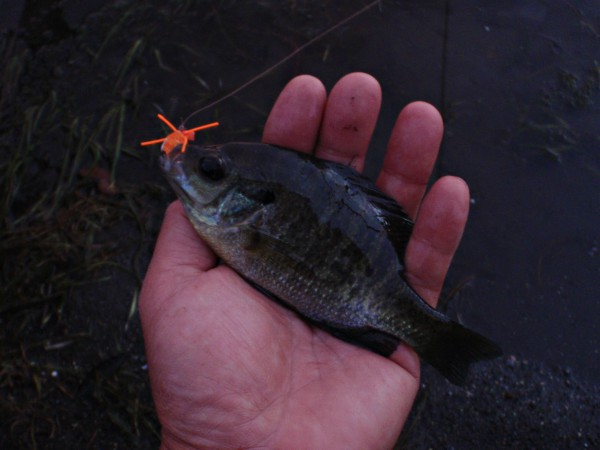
[(255, 238), (377, 341)]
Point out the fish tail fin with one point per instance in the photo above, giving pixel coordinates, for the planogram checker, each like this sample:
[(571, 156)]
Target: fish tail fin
[(452, 350)]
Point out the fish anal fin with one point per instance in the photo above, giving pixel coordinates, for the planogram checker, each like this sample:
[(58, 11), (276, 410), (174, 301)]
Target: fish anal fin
[(378, 342)]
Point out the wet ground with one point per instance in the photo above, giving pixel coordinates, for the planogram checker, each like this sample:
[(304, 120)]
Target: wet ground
[(518, 83)]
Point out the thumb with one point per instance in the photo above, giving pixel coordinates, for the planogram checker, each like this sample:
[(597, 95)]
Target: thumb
[(178, 247), (179, 255)]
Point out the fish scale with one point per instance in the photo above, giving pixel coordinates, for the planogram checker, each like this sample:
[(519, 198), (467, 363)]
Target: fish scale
[(321, 239)]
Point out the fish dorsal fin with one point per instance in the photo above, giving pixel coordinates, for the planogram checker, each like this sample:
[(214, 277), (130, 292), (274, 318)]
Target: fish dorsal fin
[(388, 212)]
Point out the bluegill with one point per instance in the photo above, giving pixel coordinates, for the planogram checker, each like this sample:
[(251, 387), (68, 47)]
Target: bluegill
[(321, 239)]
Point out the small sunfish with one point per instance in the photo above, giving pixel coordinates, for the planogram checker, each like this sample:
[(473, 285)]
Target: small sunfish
[(323, 240)]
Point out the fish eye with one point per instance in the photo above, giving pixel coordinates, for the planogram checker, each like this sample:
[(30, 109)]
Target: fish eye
[(211, 168)]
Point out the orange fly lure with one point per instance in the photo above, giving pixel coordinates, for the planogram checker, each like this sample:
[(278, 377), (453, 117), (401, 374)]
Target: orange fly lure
[(179, 136)]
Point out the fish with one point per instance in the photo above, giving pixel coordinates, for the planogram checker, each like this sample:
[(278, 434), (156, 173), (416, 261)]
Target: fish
[(321, 239)]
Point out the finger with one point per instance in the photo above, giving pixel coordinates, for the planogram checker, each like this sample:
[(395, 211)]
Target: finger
[(178, 246), (411, 154), (179, 256), (295, 119), (350, 118), (179, 251), (436, 235)]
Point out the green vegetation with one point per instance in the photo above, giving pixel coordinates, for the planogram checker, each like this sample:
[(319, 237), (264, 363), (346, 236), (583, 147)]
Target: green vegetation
[(71, 227), (81, 203)]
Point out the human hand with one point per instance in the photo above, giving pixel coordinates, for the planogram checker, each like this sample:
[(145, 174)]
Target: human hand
[(230, 368)]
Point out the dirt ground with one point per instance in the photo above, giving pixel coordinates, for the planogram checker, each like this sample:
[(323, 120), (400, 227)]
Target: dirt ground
[(518, 84)]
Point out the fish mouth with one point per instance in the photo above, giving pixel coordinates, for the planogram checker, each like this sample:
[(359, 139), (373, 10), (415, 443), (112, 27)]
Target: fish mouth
[(185, 197), (172, 164), (171, 159)]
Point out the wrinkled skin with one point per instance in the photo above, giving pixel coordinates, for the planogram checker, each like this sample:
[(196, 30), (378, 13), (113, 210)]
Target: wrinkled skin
[(230, 368)]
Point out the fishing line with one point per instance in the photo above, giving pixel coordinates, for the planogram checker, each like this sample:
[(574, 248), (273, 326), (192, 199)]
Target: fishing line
[(287, 58)]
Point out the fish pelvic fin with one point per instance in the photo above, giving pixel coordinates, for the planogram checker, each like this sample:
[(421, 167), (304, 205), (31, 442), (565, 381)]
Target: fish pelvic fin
[(454, 348)]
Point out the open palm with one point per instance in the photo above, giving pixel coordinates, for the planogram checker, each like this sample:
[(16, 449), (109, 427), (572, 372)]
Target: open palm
[(230, 368)]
